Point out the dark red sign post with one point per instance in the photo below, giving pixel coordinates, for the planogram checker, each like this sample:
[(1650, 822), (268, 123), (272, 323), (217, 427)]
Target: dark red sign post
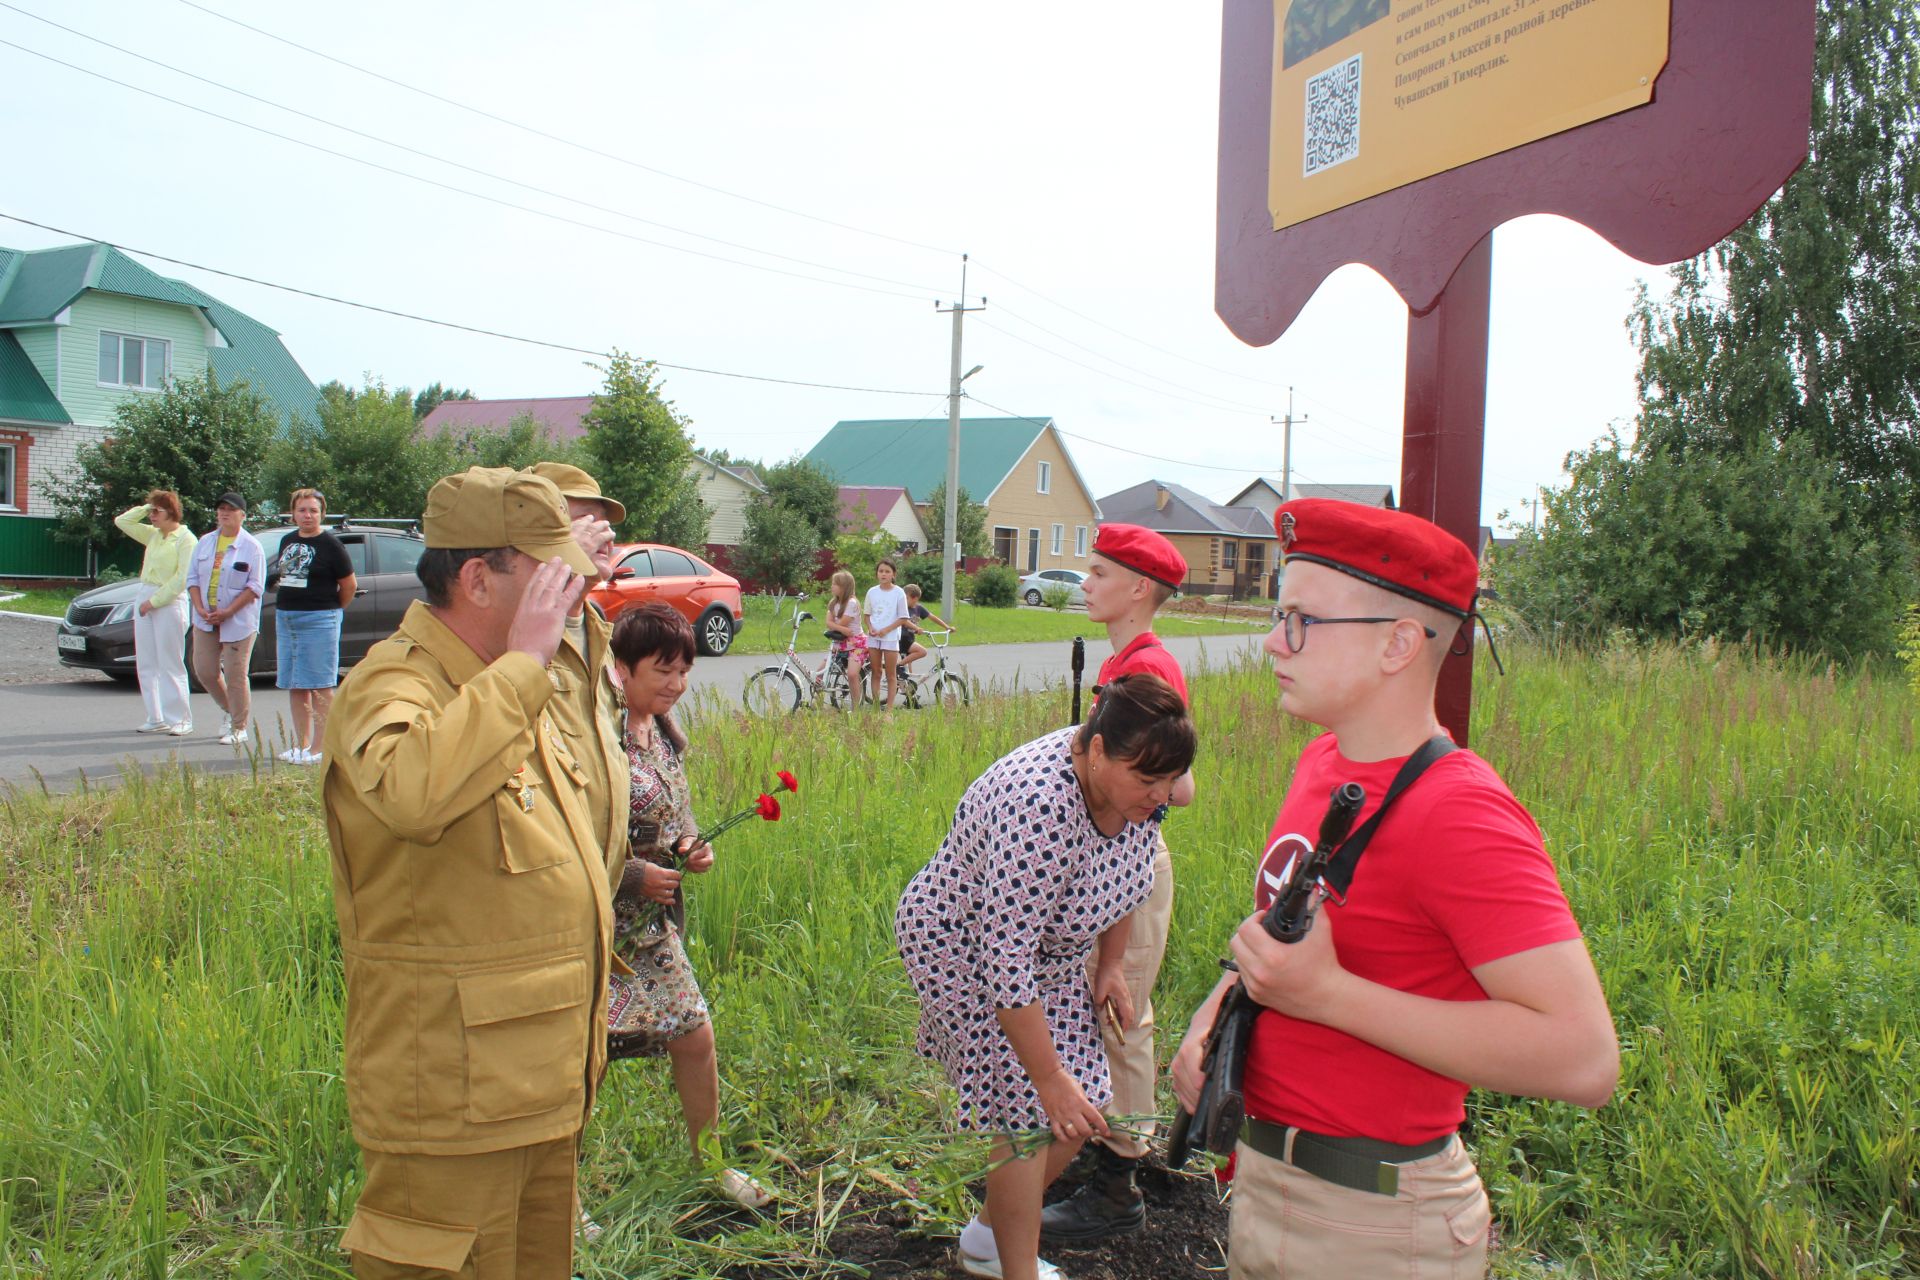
[(1726, 127)]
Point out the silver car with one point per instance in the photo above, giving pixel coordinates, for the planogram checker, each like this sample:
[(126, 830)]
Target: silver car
[(1033, 587)]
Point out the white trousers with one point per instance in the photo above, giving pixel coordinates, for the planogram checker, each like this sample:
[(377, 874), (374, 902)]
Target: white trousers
[(160, 656)]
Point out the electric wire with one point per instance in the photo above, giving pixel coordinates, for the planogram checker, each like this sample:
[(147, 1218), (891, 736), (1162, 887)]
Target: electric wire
[(1004, 310), (1232, 409), (565, 141), (450, 324), (1104, 444), (457, 190)]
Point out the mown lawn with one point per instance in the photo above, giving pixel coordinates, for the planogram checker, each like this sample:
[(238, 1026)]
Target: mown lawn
[(762, 631), (51, 603), (1740, 837)]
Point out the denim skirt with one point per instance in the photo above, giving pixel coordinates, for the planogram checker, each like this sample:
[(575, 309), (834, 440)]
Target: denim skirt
[(307, 647)]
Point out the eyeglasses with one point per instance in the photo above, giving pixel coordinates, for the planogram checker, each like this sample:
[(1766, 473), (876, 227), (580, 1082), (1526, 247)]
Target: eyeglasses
[(1295, 624)]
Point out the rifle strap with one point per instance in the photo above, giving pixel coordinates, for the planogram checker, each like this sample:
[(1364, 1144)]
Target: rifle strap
[(1340, 868)]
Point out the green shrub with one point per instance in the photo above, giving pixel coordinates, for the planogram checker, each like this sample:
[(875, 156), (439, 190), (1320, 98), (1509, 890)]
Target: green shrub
[(924, 571), (995, 587), (1057, 597), (1910, 646)]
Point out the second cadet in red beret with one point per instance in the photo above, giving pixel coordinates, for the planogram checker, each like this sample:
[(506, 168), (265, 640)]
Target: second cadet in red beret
[(1132, 572), (1451, 960)]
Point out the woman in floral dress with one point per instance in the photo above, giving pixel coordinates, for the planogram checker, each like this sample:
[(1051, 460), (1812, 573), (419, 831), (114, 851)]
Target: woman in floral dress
[(1051, 848), (657, 1009)]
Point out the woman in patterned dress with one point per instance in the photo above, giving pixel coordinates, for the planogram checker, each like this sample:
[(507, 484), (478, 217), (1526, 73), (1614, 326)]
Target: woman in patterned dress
[(657, 1010), (1051, 848)]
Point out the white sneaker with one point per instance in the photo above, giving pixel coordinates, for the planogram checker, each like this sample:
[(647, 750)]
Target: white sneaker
[(292, 755), (234, 738), (744, 1189), (182, 730), (590, 1231), (154, 726), (990, 1267), (308, 757), (226, 727)]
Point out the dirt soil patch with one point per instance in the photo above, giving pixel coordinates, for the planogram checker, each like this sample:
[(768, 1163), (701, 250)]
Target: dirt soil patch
[(1185, 1236), (1213, 607)]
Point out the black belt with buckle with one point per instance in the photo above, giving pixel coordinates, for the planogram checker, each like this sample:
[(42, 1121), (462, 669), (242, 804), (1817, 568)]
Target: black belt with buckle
[(1361, 1164)]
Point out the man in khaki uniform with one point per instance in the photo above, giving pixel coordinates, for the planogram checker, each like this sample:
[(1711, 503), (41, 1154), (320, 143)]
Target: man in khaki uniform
[(475, 918), (587, 709)]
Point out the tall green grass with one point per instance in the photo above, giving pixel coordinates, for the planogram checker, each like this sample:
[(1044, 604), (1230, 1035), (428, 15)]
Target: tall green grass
[(1738, 835)]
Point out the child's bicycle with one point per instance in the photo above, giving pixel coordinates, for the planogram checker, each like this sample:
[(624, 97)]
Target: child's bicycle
[(774, 690), (939, 687)]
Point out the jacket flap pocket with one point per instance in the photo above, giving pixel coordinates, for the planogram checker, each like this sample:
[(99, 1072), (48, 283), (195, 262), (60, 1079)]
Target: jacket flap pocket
[(408, 1241), (521, 993)]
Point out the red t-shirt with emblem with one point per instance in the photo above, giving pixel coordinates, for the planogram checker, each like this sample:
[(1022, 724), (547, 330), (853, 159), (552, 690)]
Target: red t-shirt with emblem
[(1456, 876), (1147, 654)]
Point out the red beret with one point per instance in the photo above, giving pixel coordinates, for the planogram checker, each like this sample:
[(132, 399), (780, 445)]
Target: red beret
[(1391, 549), (1140, 549)]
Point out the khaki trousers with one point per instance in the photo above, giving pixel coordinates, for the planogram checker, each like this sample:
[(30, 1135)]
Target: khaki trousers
[(222, 668), (1130, 1056), (497, 1215), (1288, 1224)]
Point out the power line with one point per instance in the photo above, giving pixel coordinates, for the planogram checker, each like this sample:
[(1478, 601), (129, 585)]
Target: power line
[(440, 159), (565, 141), (1217, 408), (451, 324), (1123, 364), (446, 186), (1041, 422)]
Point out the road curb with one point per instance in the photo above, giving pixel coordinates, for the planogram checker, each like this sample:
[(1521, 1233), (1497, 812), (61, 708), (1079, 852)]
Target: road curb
[(37, 617)]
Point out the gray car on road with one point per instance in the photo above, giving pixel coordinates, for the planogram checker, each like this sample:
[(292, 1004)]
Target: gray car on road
[(97, 631)]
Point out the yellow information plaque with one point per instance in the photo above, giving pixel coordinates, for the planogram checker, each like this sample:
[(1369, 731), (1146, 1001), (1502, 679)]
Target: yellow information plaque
[(1369, 95)]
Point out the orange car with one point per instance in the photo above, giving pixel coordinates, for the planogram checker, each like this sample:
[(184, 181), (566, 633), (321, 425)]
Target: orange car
[(706, 597)]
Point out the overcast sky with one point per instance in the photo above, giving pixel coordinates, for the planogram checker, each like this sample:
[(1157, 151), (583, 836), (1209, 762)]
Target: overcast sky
[(1068, 147)]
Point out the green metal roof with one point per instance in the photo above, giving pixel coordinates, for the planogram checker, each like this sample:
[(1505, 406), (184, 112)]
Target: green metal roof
[(255, 353), (913, 452), (24, 394), (35, 286), (38, 285)]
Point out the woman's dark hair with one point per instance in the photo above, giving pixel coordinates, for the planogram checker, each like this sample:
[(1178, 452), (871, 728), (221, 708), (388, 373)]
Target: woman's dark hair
[(654, 630), (439, 566), (1143, 724), (168, 501)]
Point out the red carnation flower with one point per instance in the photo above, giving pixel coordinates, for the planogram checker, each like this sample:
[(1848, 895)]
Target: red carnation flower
[(768, 808), (788, 781)]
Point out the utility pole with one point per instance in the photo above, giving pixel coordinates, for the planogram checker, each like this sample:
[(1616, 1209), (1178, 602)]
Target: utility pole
[(1534, 503), (952, 539), (1286, 447)]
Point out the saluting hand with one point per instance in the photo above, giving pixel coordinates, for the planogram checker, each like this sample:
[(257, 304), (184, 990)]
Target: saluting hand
[(595, 537), (541, 618)]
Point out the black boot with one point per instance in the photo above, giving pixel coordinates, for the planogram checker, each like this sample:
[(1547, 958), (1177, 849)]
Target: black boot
[(1107, 1204)]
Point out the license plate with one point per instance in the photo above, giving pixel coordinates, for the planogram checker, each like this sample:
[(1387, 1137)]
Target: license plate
[(72, 644)]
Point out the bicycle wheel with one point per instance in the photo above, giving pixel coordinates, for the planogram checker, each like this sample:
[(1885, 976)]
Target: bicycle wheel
[(950, 692), (771, 691), (910, 693)]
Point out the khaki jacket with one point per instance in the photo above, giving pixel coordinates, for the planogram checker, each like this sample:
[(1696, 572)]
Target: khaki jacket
[(587, 710), (475, 917)]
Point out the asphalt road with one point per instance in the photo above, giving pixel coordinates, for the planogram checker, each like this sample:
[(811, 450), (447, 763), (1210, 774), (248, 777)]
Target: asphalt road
[(58, 724)]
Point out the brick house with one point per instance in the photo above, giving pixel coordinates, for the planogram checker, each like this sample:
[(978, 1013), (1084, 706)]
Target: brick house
[(1230, 550)]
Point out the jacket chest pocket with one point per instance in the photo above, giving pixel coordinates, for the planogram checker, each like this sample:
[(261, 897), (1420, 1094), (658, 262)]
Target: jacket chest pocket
[(527, 813), (526, 1038)]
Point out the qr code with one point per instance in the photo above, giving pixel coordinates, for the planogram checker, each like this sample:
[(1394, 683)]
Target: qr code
[(1333, 117)]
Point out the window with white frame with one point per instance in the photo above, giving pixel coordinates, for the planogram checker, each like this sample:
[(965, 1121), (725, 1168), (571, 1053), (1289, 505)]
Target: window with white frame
[(1229, 556), (1080, 541), (1046, 477), (127, 361), (9, 500), (1059, 537)]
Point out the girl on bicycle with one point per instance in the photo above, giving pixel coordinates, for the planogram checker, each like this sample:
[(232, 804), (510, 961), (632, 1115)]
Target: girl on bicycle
[(910, 646), (843, 621)]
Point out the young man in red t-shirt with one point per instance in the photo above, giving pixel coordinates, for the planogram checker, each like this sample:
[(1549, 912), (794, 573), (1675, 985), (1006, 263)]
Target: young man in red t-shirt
[(1133, 571), (1454, 961)]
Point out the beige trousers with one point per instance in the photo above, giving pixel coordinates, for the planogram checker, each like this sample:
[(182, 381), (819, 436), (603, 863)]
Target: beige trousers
[(1130, 1055), (498, 1215), (222, 668), (1291, 1225)]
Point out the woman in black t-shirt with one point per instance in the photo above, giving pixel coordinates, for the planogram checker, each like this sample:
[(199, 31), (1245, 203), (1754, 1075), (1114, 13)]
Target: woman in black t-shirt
[(315, 585)]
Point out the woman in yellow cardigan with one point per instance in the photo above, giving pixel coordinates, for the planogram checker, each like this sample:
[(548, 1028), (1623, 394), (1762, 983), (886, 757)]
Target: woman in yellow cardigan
[(160, 620)]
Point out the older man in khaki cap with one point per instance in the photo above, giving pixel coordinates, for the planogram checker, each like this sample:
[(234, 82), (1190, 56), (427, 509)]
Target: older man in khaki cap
[(475, 917)]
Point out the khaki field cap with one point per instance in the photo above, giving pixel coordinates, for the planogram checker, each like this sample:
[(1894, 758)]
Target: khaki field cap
[(487, 507), (572, 482)]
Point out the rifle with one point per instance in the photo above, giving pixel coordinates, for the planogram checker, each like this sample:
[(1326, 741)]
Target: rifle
[(1079, 665), (1221, 1108)]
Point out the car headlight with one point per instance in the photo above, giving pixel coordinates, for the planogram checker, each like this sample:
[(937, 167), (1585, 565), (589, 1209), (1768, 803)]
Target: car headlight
[(121, 612)]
